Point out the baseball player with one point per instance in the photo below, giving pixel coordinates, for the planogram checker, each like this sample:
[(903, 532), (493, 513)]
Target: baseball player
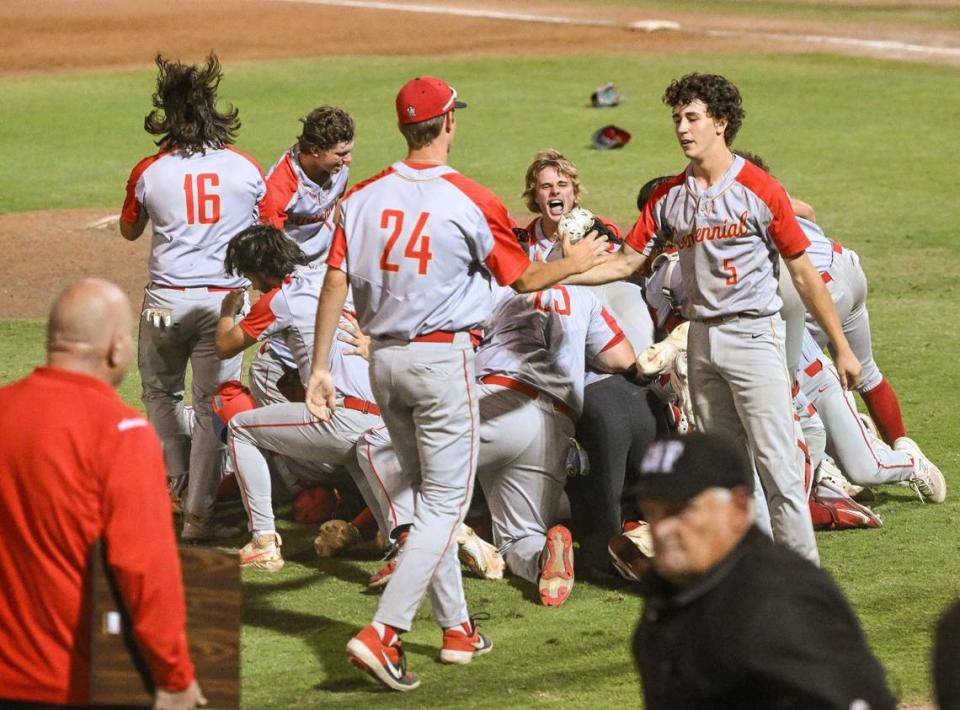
[(304, 186), (864, 459), (531, 371), (421, 244), (729, 220), (198, 191), (617, 421), (287, 309)]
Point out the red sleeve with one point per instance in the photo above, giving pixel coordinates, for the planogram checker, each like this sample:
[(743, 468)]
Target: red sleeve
[(614, 327), (783, 229), (282, 185), (142, 551), (646, 225), (506, 261), (337, 255), (260, 317), (130, 214)]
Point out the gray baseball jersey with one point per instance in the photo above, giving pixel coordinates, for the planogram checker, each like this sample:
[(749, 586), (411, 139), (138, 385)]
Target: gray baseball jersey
[(728, 237)]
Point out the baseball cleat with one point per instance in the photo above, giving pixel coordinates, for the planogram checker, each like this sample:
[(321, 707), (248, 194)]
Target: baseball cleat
[(461, 643), (631, 551), (382, 659), (556, 567), (380, 578), (262, 553), (927, 480), (480, 557), (334, 537), (829, 471), (199, 530)]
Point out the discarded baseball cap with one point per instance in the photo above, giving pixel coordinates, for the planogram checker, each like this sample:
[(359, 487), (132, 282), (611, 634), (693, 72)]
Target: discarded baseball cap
[(424, 98), (229, 399), (610, 137), (606, 96), (680, 468)]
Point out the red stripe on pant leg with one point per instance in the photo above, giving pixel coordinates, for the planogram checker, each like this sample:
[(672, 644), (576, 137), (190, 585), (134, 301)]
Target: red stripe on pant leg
[(383, 488)]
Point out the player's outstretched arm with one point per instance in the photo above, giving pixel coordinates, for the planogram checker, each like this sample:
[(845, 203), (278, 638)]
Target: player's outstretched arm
[(817, 300), (577, 258), (321, 392), (231, 339), (616, 267)]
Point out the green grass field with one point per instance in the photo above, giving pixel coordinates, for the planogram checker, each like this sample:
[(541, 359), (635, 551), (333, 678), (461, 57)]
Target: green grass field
[(871, 144)]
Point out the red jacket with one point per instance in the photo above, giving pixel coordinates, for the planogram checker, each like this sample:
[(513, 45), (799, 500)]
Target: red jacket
[(77, 464)]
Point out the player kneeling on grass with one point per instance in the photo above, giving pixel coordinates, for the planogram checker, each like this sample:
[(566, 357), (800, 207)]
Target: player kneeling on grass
[(274, 265), (530, 370)]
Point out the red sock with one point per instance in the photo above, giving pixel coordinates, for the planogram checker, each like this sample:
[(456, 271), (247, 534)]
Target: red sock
[(366, 524), (884, 408)]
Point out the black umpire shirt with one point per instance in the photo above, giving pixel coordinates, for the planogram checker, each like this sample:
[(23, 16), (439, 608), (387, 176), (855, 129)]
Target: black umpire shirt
[(762, 629)]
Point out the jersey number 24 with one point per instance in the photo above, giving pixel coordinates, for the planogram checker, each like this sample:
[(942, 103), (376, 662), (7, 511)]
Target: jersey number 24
[(417, 244)]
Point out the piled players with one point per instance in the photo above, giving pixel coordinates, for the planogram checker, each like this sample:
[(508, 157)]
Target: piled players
[(429, 258)]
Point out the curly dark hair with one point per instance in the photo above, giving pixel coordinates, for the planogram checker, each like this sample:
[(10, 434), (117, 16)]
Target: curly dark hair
[(647, 190), (262, 248), (325, 127), (753, 158), (185, 107), (719, 94)]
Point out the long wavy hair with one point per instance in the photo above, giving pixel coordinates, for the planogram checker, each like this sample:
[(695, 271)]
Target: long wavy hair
[(185, 107)]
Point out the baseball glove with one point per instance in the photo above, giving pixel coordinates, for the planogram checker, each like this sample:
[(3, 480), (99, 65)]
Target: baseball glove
[(579, 222)]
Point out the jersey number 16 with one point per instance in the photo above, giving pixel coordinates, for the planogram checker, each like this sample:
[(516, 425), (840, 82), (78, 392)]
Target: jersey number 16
[(203, 206)]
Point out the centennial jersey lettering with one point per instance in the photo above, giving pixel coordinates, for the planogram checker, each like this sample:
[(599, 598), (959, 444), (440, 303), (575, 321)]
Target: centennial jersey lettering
[(716, 232)]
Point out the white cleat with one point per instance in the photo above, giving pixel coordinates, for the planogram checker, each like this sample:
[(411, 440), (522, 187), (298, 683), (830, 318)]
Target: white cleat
[(482, 558), (927, 480)]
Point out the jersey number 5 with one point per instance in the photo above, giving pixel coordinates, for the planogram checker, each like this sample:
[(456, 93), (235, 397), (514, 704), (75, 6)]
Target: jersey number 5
[(418, 243), (730, 269), (202, 206)]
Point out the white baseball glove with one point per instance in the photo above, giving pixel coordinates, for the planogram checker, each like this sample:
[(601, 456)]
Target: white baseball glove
[(576, 224), (660, 356)]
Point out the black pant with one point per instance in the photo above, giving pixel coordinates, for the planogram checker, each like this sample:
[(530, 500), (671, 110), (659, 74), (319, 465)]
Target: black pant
[(619, 421)]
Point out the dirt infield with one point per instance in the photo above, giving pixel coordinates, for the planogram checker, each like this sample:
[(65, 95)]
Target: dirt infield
[(38, 36)]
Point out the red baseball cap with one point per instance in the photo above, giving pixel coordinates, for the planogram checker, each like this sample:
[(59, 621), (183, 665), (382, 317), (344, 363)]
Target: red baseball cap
[(424, 98)]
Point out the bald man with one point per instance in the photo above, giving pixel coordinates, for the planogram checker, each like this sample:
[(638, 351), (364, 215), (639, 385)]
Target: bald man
[(77, 464)]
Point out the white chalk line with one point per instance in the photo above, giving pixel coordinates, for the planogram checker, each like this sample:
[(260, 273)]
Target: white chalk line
[(645, 25)]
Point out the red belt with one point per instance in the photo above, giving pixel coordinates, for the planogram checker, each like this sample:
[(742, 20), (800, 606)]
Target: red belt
[(825, 275), (361, 405), (529, 390), (446, 336), (837, 248), (214, 289), (813, 368)]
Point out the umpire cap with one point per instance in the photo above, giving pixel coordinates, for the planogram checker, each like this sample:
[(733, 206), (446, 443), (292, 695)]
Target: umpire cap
[(680, 468)]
